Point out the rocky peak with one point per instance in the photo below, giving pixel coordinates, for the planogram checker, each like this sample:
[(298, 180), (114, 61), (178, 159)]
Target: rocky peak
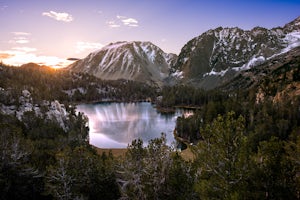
[(293, 26), (140, 61), (221, 50)]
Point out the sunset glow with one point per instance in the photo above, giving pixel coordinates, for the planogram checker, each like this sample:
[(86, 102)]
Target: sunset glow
[(49, 32)]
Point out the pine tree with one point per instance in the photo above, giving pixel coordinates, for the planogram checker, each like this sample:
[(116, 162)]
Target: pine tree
[(221, 158)]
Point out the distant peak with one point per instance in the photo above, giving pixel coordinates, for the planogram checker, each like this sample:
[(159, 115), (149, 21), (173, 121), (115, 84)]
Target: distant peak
[(293, 25)]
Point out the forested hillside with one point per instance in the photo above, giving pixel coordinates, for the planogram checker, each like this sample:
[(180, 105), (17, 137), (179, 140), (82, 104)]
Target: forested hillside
[(52, 84), (246, 143)]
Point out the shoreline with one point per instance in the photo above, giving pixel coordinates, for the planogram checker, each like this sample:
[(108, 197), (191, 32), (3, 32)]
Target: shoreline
[(116, 152)]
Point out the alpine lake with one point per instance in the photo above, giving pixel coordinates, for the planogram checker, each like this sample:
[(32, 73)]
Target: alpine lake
[(115, 125)]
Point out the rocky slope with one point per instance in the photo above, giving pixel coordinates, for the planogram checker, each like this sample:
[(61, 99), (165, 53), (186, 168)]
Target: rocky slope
[(278, 78), (139, 61), (214, 57)]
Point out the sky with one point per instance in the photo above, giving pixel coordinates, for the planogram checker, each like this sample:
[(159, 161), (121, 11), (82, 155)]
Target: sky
[(50, 31)]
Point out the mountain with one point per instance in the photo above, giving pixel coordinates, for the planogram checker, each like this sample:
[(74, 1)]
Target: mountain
[(278, 78), (216, 56), (208, 61), (138, 61)]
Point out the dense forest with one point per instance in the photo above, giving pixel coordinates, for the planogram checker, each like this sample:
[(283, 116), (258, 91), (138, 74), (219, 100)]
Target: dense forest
[(245, 143), (46, 83)]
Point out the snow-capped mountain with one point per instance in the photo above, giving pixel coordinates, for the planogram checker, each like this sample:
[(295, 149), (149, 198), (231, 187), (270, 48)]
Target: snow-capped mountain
[(139, 61), (215, 56), (208, 61)]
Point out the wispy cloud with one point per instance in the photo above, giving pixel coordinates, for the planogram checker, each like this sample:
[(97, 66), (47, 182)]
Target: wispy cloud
[(20, 38), (113, 24), (128, 21), (87, 46), (3, 7), (65, 17), (123, 20), (21, 33), (24, 49)]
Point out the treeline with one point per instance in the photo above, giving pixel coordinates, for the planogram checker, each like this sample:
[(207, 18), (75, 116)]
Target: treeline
[(265, 119), (185, 95), (52, 84)]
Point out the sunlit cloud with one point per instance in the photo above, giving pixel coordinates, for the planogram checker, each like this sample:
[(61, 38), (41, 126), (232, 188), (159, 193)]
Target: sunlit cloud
[(4, 56), (87, 46), (123, 20), (65, 17), (21, 55)]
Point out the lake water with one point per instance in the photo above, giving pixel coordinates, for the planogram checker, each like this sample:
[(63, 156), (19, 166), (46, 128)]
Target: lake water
[(115, 125)]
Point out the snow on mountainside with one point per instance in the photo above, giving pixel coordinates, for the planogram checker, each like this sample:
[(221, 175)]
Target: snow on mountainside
[(215, 56), (139, 61)]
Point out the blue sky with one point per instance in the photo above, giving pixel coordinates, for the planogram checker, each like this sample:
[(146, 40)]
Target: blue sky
[(49, 31)]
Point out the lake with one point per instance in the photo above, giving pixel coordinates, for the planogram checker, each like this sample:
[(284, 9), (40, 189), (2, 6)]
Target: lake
[(115, 125)]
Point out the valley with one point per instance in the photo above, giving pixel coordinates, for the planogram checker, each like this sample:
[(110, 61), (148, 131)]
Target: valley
[(243, 136)]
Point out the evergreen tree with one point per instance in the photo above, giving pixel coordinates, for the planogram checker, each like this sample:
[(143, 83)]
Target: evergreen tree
[(221, 159)]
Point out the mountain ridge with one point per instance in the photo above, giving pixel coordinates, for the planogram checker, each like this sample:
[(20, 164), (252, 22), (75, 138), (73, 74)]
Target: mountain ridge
[(207, 61), (225, 51)]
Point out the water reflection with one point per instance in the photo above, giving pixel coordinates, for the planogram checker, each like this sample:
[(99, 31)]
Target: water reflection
[(115, 125)]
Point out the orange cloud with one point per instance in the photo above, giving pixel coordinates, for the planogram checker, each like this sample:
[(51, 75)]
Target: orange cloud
[(5, 56)]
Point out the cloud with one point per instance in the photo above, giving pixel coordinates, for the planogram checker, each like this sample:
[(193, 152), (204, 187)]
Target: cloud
[(123, 20), (20, 38), (130, 22), (4, 56), (90, 46), (21, 33), (22, 55), (113, 24), (65, 17), (3, 7), (24, 49), (73, 59)]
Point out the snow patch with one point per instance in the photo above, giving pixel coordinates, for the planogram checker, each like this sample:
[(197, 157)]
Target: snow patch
[(185, 60), (215, 73), (177, 74), (251, 63), (292, 39)]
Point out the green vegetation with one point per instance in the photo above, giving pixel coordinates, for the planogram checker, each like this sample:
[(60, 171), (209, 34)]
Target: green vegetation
[(45, 83), (246, 144)]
